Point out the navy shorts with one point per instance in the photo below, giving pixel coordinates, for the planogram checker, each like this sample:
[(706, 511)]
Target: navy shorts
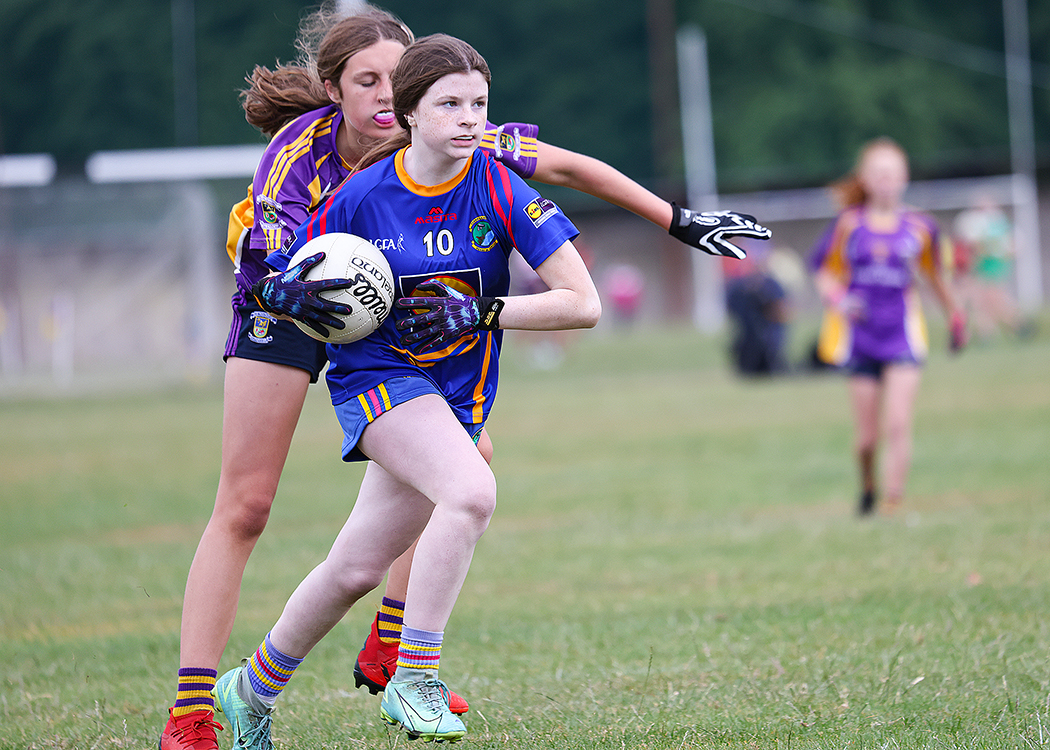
[(255, 334), (869, 367), (356, 413)]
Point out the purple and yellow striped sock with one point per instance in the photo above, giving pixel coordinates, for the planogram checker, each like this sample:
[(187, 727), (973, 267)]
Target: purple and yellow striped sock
[(269, 670), (391, 620), (419, 650), (194, 693)]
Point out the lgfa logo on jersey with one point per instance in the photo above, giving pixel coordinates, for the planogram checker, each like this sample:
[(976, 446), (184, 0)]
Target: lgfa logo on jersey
[(436, 216), (481, 235), (540, 210)]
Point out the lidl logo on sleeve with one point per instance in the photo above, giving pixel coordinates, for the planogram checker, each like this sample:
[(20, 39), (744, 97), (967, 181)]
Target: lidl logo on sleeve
[(540, 210)]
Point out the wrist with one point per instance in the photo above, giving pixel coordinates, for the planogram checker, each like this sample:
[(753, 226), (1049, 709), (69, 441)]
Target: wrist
[(677, 228), (258, 293), (834, 298), (489, 309)]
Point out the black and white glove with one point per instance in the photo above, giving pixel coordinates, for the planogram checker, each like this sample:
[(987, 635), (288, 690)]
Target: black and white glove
[(710, 230)]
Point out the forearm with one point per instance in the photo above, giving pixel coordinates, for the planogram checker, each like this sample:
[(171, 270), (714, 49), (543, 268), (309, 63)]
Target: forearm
[(558, 166), (943, 294), (829, 287), (571, 300), (553, 310)]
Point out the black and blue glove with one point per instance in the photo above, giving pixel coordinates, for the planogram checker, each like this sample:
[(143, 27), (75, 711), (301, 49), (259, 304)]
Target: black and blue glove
[(288, 294), (446, 316), (710, 230)]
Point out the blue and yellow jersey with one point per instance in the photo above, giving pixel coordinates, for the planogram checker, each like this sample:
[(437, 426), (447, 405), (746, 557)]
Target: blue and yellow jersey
[(879, 268), (301, 167), (460, 232)]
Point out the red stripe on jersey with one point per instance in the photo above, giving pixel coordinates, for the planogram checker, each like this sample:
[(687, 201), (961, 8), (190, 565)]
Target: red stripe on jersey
[(508, 190)]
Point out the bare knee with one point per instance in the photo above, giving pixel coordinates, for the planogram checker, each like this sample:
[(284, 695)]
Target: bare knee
[(475, 503), (243, 512), (350, 584)]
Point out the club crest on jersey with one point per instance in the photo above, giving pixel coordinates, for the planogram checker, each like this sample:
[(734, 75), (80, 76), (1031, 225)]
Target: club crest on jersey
[(507, 141), (481, 235), (268, 209), (260, 333), (540, 210)]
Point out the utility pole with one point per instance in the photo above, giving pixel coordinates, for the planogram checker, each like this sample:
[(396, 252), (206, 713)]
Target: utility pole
[(184, 69), (709, 309), (1022, 156)]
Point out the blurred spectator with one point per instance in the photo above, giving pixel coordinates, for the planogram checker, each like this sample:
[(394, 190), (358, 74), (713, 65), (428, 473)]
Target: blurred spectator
[(624, 287), (759, 307), (984, 261)]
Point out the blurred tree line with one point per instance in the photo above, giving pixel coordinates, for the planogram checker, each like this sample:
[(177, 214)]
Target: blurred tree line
[(796, 85)]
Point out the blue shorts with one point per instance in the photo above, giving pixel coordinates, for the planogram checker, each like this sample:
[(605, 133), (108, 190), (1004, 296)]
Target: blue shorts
[(355, 414), (869, 367), (255, 334)]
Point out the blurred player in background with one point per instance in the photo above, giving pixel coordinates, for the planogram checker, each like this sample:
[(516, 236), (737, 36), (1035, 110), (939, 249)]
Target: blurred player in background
[(323, 114), (866, 264), (413, 397)]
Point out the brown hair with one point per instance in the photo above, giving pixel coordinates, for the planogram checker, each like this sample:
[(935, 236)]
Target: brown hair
[(425, 62), (849, 191), (326, 40)]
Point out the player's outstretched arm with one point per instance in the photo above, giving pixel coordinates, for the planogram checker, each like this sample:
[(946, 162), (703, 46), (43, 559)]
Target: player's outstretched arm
[(709, 231), (559, 166)]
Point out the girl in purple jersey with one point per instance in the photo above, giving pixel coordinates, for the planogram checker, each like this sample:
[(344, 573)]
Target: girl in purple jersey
[(323, 114), (435, 362), (866, 265)]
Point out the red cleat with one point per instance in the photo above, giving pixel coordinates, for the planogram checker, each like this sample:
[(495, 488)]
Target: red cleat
[(192, 731), (377, 663)]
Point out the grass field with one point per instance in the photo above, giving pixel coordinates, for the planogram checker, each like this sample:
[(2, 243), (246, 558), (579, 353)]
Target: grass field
[(675, 563)]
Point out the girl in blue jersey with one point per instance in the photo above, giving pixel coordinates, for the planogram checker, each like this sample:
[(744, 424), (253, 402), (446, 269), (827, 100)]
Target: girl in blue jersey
[(866, 267), (413, 396), (323, 114)]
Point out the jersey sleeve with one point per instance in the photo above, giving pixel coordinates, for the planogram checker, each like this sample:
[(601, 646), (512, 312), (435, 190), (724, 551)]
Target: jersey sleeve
[(333, 215), (935, 248), (829, 254), (525, 219), (514, 144)]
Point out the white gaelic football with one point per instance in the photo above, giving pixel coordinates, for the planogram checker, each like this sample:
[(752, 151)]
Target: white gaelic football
[(370, 297)]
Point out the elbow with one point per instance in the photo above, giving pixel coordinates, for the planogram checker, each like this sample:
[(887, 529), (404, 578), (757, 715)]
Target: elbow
[(591, 312)]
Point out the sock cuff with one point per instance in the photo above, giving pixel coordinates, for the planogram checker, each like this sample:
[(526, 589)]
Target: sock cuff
[(415, 635)]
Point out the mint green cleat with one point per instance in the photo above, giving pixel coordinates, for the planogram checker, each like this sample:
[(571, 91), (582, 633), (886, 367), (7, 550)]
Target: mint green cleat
[(251, 730), (421, 709)]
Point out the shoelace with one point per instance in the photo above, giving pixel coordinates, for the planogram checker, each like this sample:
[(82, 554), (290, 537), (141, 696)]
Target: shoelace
[(259, 735), (195, 731), (432, 694)]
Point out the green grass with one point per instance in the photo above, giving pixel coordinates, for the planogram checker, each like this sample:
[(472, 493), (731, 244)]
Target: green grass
[(674, 563)]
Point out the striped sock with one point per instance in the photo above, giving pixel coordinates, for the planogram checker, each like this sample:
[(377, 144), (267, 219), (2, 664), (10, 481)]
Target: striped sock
[(269, 670), (194, 694), (420, 650), (391, 620)]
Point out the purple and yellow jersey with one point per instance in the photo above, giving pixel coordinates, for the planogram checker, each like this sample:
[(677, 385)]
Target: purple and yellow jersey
[(460, 232), (301, 167), (879, 269)]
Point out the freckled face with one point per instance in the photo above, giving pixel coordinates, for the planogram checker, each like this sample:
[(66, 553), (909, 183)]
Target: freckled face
[(450, 117)]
